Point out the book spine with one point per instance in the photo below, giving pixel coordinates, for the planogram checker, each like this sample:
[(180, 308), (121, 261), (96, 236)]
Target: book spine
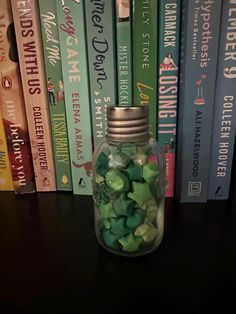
[(168, 59), (26, 19), (197, 89), (124, 52), (102, 62), (144, 22), (55, 93), (71, 25), (6, 183), (13, 107), (223, 136)]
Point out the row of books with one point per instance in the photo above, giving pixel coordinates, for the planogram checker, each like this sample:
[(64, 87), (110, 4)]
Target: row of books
[(77, 57)]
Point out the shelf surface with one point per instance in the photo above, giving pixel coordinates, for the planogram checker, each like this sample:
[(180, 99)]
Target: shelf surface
[(51, 261)]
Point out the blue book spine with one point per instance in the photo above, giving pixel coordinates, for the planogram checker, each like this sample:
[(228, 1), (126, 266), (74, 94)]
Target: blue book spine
[(200, 38), (223, 136)]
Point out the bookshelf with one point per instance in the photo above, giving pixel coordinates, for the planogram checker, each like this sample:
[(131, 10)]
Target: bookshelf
[(51, 261)]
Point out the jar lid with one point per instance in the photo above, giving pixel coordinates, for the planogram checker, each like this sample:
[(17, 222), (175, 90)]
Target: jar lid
[(127, 123)]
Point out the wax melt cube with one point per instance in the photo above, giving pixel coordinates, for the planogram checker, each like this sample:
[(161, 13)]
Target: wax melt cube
[(110, 238), (116, 180), (150, 172), (102, 164), (141, 193), (134, 172), (130, 243), (136, 219), (106, 210), (123, 205), (119, 227)]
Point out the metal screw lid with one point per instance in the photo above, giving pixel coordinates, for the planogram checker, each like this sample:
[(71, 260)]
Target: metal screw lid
[(127, 123)]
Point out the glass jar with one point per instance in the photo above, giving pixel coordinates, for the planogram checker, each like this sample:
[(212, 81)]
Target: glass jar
[(128, 184)]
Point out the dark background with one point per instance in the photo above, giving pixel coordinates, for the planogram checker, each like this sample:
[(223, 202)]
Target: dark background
[(51, 262)]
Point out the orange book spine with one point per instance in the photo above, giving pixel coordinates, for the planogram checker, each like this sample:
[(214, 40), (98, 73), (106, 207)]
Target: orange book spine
[(6, 183), (28, 37), (12, 106)]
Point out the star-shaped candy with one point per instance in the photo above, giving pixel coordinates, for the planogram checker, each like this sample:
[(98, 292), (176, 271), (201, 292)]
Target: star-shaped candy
[(106, 210), (150, 172), (134, 172), (141, 193), (123, 205), (116, 180), (102, 164), (130, 243)]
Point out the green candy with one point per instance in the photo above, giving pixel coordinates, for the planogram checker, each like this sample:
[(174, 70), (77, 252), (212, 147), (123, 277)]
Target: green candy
[(147, 231), (136, 219), (151, 210), (102, 164), (116, 180), (106, 223), (150, 235), (142, 229), (119, 160), (150, 172), (110, 238), (141, 193), (123, 206), (130, 243), (107, 211), (119, 227), (134, 172)]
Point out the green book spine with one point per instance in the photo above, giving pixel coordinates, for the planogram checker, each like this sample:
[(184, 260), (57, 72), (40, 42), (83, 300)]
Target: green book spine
[(124, 48), (55, 92), (102, 62), (144, 21), (168, 59), (71, 25)]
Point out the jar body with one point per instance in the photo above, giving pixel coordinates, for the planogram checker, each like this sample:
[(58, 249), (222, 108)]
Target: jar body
[(129, 194)]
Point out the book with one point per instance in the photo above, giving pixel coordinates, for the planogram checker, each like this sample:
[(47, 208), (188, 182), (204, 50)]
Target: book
[(199, 50), (168, 63), (71, 25), (124, 52), (12, 106), (28, 37), (55, 93), (6, 183), (224, 126), (144, 33), (100, 36)]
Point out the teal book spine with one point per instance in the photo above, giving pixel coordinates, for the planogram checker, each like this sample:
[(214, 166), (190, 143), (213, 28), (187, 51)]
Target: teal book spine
[(168, 63), (55, 93), (71, 26), (224, 126), (124, 52), (144, 32), (102, 62)]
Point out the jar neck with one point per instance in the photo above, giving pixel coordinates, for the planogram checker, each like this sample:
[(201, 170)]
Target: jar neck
[(120, 143)]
